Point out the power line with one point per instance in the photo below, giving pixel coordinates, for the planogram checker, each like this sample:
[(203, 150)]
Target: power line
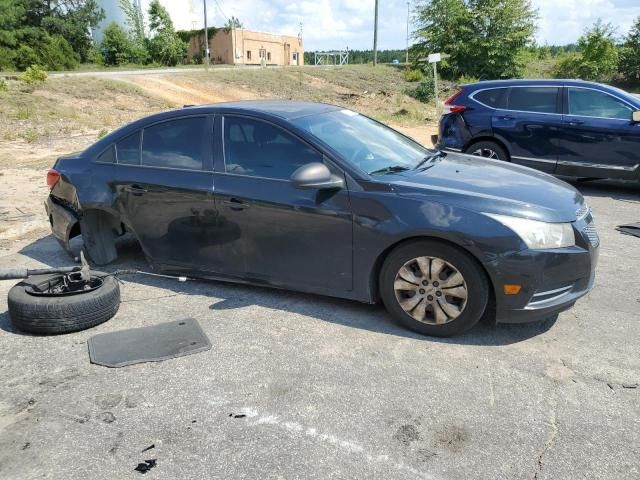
[(221, 11)]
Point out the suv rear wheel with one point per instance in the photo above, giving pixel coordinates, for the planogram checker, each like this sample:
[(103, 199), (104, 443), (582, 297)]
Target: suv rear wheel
[(487, 149)]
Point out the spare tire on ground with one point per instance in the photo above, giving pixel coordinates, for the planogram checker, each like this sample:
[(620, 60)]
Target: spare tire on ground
[(35, 307)]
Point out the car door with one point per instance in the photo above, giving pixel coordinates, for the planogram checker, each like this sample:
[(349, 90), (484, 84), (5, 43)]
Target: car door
[(599, 137), (164, 185), (276, 233), (530, 125)]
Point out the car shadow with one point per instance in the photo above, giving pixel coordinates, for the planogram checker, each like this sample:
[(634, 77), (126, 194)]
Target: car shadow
[(616, 190), (235, 296)]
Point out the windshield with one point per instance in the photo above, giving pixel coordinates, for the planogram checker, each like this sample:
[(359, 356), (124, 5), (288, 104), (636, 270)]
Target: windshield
[(364, 143)]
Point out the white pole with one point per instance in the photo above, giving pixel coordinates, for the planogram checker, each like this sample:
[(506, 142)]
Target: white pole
[(407, 55), (435, 85), (206, 37)]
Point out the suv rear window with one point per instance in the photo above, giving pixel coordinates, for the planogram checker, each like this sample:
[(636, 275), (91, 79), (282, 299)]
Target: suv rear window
[(534, 99), (493, 97)]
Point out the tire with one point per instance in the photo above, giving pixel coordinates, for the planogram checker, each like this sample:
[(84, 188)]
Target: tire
[(474, 285), (52, 315), (488, 149)]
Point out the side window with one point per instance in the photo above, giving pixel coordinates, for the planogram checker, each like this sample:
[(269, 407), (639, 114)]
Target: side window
[(108, 156), (590, 103), (259, 149), (534, 99), (181, 143), (494, 97), (128, 150)]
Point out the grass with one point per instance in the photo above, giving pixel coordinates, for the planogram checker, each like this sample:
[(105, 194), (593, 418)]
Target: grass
[(67, 106), (376, 91)]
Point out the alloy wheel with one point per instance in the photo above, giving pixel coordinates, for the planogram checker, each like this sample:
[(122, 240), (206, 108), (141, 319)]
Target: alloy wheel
[(486, 152), (431, 290)]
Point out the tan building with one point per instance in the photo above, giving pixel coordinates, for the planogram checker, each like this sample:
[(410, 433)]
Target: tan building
[(245, 47)]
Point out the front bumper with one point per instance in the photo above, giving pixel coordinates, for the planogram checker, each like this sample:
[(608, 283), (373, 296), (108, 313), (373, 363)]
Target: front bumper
[(62, 221), (552, 280)]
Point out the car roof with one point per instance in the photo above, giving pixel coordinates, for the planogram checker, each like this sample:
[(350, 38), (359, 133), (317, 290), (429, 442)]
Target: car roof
[(532, 81), (285, 109)]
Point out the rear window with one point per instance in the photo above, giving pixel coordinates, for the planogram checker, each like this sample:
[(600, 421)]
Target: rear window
[(493, 97), (534, 99), (108, 156), (181, 143), (128, 150)]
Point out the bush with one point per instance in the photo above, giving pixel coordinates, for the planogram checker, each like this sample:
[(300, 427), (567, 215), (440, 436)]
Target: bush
[(34, 75), (7, 59), (413, 75), (58, 55), (424, 92), (115, 46), (166, 48), (467, 79), (3, 85), (25, 57)]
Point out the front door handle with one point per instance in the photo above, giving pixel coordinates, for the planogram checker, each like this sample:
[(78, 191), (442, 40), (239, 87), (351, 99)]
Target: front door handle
[(506, 117), (236, 204), (574, 122)]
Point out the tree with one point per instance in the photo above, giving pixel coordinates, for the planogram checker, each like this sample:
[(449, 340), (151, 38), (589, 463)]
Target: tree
[(42, 31), (165, 46), (630, 53), (232, 22), (115, 46), (135, 23), (597, 56), (483, 37)]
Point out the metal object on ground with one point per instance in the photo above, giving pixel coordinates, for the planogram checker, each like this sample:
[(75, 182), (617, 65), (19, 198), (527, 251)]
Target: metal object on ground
[(148, 344), (431, 290)]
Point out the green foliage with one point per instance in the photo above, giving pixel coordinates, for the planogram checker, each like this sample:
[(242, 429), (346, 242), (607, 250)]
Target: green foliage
[(165, 47), (34, 75), (597, 58), (630, 54), (483, 37), (138, 52), (424, 92), (115, 47), (414, 75), (102, 132), (4, 86), (232, 22), (464, 79), (44, 31)]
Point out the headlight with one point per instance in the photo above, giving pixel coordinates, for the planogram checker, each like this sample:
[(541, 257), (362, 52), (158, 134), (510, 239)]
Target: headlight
[(539, 235)]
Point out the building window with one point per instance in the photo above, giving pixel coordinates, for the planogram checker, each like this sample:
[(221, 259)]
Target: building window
[(261, 53), (295, 56), (248, 54), (268, 56)]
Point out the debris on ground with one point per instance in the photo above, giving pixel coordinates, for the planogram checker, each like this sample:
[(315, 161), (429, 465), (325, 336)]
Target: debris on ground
[(146, 466)]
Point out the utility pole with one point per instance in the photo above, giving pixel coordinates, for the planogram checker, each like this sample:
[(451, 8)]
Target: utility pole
[(375, 37), (408, 15), (206, 37)]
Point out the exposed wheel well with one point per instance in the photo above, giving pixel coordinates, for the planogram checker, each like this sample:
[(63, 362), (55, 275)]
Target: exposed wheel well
[(488, 139), (375, 273), (99, 229)]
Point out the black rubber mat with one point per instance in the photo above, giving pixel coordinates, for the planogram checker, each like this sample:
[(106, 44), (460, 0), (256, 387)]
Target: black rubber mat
[(631, 229), (148, 344)]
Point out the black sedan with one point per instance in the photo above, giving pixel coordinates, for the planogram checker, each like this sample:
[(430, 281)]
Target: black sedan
[(316, 198)]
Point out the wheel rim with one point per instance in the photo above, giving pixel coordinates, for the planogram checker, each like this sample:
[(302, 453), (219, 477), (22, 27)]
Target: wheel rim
[(485, 152), (431, 290)]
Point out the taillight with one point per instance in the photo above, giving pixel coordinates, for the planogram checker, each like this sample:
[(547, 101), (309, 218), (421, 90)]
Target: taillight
[(450, 107), (52, 177)]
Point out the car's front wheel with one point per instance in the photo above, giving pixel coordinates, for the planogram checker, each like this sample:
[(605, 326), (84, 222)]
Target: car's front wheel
[(487, 149), (433, 288)]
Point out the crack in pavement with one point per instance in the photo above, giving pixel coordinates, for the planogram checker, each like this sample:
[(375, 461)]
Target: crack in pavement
[(551, 438)]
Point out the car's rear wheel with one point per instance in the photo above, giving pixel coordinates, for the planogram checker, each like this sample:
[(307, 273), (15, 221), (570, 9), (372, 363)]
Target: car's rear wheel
[(487, 149), (433, 288)]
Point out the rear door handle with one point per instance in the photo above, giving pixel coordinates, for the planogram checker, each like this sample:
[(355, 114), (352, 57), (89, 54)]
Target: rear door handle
[(236, 204), (135, 189), (574, 122), (506, 117)]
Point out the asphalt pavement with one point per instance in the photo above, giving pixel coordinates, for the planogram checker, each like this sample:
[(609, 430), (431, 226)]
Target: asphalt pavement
[(303, 386)]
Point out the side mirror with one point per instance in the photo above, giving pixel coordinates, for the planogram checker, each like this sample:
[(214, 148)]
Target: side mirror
[(315, 175), (635, 116)]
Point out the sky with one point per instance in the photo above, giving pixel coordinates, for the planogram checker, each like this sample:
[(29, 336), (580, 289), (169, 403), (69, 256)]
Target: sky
[(336, 24)]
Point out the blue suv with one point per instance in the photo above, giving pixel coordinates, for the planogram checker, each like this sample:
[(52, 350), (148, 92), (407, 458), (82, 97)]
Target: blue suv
[(564, 127)]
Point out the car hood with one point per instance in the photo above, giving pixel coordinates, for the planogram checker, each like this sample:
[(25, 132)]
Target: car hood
[(491, 186)]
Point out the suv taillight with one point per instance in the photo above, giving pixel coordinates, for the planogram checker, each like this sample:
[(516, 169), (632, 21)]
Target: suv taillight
[(450, 107), (52, 177)]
